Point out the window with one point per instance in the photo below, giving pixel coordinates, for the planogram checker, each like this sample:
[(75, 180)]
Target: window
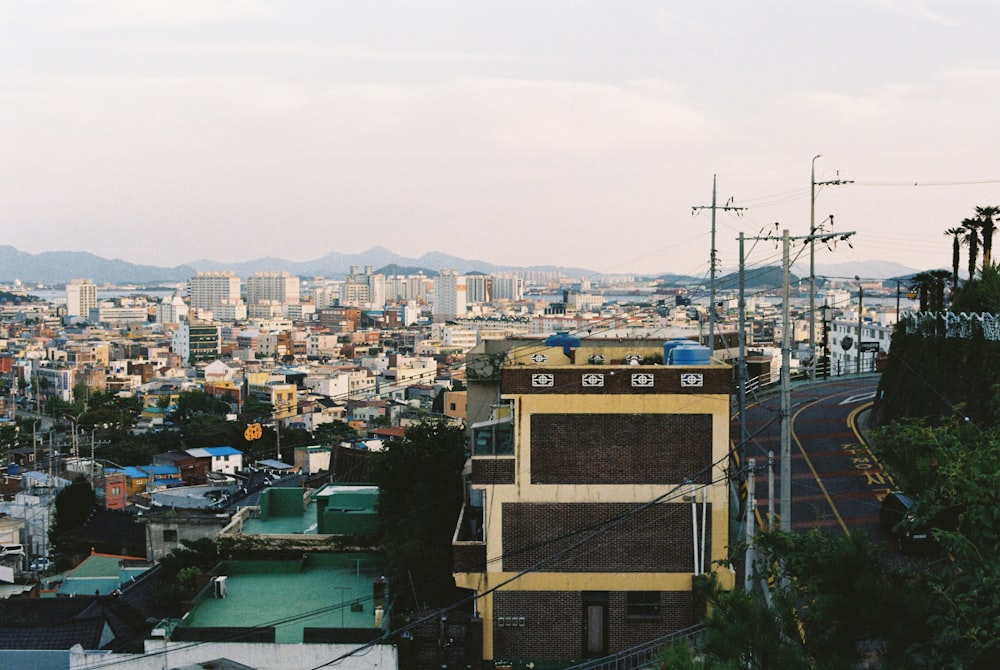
[(170, 535), (493, 438), (642, 604), (116, 490)]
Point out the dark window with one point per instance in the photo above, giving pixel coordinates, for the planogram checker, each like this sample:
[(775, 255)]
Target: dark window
[(642, 604), (494, 439), (170, 536)]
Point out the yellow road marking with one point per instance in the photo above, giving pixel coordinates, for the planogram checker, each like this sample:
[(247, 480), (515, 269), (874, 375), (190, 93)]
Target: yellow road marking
[(822, 487)]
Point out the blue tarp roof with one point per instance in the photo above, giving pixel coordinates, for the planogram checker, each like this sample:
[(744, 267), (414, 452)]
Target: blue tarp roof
[(144, 471)]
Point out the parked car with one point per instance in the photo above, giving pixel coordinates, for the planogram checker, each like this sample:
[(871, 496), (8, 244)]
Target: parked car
[(898, 521), (41, 564)]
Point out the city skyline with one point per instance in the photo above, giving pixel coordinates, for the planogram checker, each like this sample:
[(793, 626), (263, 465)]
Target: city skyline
[(567, 134)]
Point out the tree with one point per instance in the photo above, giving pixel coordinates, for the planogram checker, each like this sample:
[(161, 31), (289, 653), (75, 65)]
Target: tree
[(73, 507), (81, 394), (334, 431), (951, 471), (929, 286), (980, 294), (73, 504), (420, 497), (255, 409), (956, 244), (180, 569), (971, 240), (986, 216), (839, 594), (190, 403)]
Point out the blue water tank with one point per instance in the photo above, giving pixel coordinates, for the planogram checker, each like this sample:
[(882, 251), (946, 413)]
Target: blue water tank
[(563, 339), (693, 354), (670, 345), (13, 469)]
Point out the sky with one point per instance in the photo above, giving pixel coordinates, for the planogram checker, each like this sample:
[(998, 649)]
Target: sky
[(577, 133)]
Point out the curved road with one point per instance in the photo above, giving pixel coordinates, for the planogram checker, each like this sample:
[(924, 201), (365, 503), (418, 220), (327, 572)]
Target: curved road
[(837, 484)]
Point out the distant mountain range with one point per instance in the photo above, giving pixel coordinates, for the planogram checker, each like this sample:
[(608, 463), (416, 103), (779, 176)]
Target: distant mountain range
[(58, 267)]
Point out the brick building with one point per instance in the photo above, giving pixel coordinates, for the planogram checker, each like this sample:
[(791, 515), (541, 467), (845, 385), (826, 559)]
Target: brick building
[(597, 492)]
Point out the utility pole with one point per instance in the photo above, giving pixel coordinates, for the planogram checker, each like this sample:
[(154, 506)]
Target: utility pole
[(277, 428), (861, 311), (786, 390), (751, 525), (812, 256), (713, 260), (741, 387)]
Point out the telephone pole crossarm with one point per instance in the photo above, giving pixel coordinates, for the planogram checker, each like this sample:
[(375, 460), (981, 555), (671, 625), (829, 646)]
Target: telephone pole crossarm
[(812, 255), (713, 259)]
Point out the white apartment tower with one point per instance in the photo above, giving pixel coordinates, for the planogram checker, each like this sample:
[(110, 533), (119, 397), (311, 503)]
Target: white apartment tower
[(450, 297), (277, 287), (207, 290), (81, 297), (376, 288), (171, 310)]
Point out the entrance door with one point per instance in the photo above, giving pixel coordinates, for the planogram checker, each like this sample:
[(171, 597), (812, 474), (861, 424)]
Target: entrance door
[(595, 639)]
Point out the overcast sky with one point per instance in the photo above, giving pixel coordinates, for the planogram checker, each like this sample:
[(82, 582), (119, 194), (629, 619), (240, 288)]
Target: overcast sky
[(568, 132)]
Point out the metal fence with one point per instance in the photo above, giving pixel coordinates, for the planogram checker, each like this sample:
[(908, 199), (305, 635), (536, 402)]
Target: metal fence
[(949, 324), (646, 655)]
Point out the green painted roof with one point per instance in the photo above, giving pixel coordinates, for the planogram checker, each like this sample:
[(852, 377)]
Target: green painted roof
[(99, 573), (316, 592)]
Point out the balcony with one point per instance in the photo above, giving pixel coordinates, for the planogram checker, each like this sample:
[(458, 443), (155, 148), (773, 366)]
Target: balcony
[(468, 547)]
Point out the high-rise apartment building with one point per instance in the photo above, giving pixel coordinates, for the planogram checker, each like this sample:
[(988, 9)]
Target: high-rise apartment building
[(277, 287), (479, 288), (450, 296), (206, 290), (508, 287), (81, 297)]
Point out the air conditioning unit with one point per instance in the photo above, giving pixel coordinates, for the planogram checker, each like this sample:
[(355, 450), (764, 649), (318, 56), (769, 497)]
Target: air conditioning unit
[(219, 587)]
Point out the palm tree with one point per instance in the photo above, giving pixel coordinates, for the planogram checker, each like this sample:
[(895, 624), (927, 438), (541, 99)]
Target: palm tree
[(985, 216), (921, 283), (939, 279), (956, 243), (971, 240)]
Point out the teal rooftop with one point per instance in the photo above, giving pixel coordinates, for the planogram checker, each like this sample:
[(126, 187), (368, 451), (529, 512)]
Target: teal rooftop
[(333, 509), (101, 574), (320, 591)]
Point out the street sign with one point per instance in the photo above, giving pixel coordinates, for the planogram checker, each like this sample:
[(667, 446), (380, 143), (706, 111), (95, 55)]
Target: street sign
[(868, 346)]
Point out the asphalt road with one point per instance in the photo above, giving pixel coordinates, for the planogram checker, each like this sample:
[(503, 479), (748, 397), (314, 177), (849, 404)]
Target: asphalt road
[(837, 483)]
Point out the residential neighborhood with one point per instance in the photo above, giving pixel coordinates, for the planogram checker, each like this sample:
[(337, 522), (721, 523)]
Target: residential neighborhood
[(233, 421)]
